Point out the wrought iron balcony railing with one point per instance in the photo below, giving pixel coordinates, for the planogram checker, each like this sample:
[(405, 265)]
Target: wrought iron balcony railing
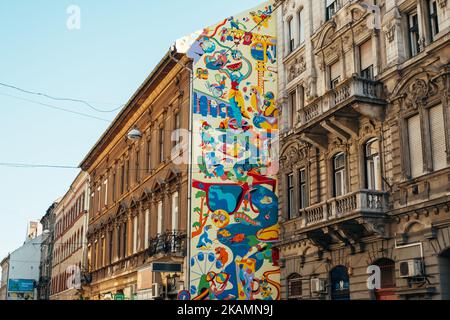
[(170, 243)]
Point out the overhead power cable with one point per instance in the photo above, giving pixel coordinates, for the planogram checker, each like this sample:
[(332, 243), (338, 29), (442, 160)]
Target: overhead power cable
[(55, 107), (60, 99)]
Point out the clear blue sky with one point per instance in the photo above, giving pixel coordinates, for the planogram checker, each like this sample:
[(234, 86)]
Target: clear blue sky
[(104, 63)]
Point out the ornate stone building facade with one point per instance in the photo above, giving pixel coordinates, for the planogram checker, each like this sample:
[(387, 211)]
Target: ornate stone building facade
[(139, 191), (365, 149), (68, 241), (45, 267)]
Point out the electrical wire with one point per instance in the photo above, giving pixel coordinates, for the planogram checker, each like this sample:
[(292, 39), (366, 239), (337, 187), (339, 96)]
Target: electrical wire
[(55, 107), (60, 99)]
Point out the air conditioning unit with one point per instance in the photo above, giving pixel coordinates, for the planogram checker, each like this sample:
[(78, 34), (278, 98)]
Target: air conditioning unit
[(156, 291), (318, 286), (411, 268)]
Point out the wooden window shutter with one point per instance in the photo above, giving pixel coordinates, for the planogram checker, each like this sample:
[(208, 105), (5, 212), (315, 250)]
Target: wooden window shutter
[(437, 131), (415, 146), (366, 54)]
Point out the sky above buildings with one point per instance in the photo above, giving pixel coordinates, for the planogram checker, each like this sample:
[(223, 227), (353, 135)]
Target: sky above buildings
[(103, 62)]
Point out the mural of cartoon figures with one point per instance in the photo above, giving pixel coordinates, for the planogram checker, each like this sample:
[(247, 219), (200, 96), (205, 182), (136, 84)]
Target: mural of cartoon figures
[(235, 203)]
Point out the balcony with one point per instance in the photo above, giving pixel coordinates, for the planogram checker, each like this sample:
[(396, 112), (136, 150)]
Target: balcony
[(352, 90), (363, 202), (343, 219), (171, 243)]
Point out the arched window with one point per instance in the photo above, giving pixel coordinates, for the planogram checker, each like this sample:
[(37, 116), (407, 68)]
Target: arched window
[(339, 175), (373, 165), (340, 283), (387, 290), (294, 284), (444, 271)]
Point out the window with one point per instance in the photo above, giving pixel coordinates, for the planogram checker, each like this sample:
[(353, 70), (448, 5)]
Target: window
[(437, 134), (114, 186), (175, 211), (122, 179), (161, 145), (146, 226), (444, 272), (339, 175), (290, 194), (335, 75), (119, 242), (135, 235), (366, 60), (110, 245), (388, 283), (301, 26), (294, 287), (415, 146), (103, 252), (137, 174), (128, 173), (99, 202), (433, 18), (106, 192), (291, 35), (292, 109), (413, 31), (95, 262), (124, 240), (331, 8), (303, 189), (149, 159), (373, 165), (176, 128), (340, 283), (160, 217)]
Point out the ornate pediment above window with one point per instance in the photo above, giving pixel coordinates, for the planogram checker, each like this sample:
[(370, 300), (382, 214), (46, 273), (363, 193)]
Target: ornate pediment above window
[(326, 35), (293, 155), (417, 88)]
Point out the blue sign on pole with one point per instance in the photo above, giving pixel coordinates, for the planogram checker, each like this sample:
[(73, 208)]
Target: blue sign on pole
[(20, 285)]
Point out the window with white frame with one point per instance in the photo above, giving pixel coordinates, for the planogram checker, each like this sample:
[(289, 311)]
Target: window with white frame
[(105, 190), (301, 26), (175, 211), (331, 8), (373, 165), (413, 33), (433, 19), (291, 39), (160, 217), (339, 174), (415, 146), (135, 234), (146, 226)]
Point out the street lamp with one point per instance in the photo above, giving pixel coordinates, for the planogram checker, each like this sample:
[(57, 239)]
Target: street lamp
[(134, 134)]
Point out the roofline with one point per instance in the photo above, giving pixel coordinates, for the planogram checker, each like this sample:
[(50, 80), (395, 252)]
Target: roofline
[(100, 144)]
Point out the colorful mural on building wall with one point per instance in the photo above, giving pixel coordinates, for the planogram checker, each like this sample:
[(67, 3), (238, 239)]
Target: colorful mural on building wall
[(234, 216)]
